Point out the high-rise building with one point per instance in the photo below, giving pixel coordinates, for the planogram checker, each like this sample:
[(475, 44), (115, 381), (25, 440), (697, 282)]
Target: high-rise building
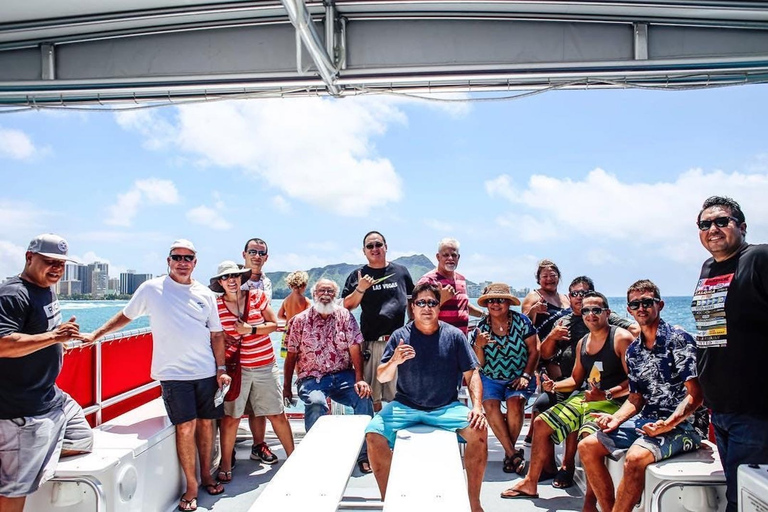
[(71, 272), (99, 279), (114, 286), (130, 280), (84, 275), (70, 287)]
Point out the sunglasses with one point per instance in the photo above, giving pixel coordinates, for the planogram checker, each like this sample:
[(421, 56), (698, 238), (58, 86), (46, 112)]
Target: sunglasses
[(720, 222), (578, 293), (424, 303), (373, 245), (185, 257), (595, 311), (254, 252), (496, 300), (645, 303), (227, 277)]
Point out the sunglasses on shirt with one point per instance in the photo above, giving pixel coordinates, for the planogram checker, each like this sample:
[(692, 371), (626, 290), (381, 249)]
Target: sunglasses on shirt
[(185, 257), (424, 303), (634, 305), (720, 222)]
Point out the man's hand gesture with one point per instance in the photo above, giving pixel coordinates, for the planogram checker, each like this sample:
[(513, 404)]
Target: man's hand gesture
[(363, 281), (66, 331), (403, 353)]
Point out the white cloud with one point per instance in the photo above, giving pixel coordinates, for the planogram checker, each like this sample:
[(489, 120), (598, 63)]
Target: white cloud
[(11, 259), (16, 145), (514, 270), (158, 132), (280, 204), (152, 191), (602, 208), (21, 218), (209, 217)]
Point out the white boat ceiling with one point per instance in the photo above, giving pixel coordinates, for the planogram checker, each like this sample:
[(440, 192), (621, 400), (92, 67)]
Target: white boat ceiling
[(100, 51)]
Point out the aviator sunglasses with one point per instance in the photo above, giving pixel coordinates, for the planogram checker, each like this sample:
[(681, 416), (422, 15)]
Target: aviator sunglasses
[(424, 303), (595, 311), (254, 252), (185, 257), (377, 245), (645, 303), (720, 222)]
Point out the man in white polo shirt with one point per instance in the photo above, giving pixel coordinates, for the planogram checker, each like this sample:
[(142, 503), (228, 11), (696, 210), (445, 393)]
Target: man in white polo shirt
[(187, 359)]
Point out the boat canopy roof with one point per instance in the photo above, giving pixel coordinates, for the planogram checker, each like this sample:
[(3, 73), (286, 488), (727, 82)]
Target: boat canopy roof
[(100, 51)]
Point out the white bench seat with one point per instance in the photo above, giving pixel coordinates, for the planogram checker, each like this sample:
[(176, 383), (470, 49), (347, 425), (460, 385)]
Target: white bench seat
[(315, 475), (426, 472)]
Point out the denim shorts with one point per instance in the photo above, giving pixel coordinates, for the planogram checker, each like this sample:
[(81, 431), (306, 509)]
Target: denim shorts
[(497, 389), (187, 400), (396, 416), (683, 438)]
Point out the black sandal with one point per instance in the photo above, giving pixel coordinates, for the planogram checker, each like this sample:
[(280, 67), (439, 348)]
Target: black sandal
[(364, 466), (563, 479)]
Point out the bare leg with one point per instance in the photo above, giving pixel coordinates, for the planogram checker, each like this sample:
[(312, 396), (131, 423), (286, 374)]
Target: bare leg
[(590, 500), (540, 457), (12, 504), (380, 457), (282, 428), (529, 435), (185, 448), (633, 481), (258, 426), (515, 413), (592, 454), (569, 457), (499, 427), (475, 460), (204, 439), (228, 436)]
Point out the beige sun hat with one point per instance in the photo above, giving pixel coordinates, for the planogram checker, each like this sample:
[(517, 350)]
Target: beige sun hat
[(228, 267), (497, 291)]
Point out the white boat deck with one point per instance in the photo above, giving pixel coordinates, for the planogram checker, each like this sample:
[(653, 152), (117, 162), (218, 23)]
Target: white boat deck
[(250, 478)]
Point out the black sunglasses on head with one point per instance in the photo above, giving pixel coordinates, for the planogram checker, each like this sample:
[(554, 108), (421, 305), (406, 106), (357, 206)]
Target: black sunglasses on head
[(185, 257), (634, 305), (720, 222)]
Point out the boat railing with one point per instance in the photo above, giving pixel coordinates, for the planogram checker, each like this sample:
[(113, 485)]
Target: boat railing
[(111, 375)]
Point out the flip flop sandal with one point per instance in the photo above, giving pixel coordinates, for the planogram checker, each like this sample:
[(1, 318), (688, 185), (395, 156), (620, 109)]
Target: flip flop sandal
[(214, 489), (563, 479), (224, 476), (514, 494), (186, 505), (364, 466)]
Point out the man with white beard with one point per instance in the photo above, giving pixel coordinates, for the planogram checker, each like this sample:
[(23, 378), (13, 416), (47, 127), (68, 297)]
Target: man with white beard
[(324, 347)]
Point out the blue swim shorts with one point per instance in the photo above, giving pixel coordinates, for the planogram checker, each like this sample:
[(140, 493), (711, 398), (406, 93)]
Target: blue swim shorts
[(396, 416), (683, 438), (497, 389)]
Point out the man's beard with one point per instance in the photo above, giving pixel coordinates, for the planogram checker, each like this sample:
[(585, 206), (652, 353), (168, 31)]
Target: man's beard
[(324, 309)]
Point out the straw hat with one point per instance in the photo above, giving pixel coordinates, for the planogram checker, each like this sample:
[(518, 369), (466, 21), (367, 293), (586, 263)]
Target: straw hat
[(497, 291), (228, 267)]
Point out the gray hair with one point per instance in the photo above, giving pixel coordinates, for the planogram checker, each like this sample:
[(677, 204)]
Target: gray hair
[(326, 280), (448, 242)]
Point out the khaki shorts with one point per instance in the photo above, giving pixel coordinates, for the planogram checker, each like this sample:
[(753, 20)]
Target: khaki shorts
[(261, 393), (30, 446), (379, 391)]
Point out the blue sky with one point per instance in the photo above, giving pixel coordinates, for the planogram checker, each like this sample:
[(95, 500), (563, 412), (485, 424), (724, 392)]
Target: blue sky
[(605, 183)]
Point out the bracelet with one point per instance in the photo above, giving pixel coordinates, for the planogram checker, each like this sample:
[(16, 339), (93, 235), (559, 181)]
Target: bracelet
[(253, 330), (221, 367), (358, 290), (527, 375)]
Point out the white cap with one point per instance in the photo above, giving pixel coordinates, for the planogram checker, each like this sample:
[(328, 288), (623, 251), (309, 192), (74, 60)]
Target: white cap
[(183, 243)]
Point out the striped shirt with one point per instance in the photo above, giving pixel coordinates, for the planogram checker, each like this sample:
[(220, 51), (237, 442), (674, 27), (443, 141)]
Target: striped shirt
[(454, 311), (255, 349)]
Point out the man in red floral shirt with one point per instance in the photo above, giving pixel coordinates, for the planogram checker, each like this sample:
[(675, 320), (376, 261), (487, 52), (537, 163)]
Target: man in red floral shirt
[(324, 346)]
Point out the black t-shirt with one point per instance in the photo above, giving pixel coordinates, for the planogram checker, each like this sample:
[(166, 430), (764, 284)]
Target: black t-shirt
[(730, 306), (565, 356), (384, 303), (28, 384)]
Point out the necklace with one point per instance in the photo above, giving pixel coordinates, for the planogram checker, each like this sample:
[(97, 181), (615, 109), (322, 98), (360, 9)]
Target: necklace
[(501, 328)]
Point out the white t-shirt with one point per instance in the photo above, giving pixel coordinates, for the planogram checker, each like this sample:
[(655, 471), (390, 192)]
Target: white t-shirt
[(182, 318)]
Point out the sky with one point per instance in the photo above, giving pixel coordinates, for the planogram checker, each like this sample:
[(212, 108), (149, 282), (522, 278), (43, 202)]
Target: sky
[(605, 183)]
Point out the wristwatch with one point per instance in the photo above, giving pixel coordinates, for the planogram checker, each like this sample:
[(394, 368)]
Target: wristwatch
[(608, 394)]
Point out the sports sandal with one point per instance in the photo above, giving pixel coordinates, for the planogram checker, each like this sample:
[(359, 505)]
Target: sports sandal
[(563, 479), (513, 464)]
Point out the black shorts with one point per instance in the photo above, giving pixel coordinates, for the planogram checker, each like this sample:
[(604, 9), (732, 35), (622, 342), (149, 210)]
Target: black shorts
[(187, 400)]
